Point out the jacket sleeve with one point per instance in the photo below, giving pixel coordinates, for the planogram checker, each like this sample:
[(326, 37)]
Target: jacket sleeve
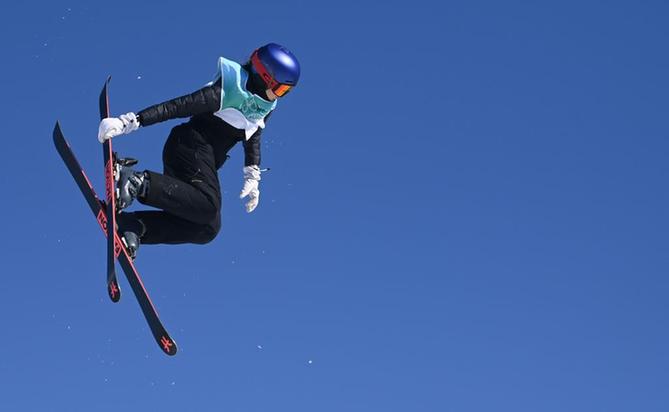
[(252, 147), (205, 100)]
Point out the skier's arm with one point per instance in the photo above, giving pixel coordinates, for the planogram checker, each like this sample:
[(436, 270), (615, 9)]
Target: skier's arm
[(252, 169), (205, 100), (252, 146), (252, 149)]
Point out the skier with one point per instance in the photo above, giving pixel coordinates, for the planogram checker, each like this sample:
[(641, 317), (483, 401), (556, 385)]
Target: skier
[(233, 108)]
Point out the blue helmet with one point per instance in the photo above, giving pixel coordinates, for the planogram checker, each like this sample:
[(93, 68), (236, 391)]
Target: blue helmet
[(277, 66)]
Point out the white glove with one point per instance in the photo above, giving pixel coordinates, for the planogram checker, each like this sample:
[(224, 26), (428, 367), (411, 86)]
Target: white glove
[(250, 189), (114, 126)]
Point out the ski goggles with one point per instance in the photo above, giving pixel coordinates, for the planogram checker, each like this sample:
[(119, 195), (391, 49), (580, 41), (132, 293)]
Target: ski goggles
[(277, 88)]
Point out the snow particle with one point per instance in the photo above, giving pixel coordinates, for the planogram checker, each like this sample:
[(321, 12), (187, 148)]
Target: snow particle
[(259, 347), (139, 77), (310, 362)]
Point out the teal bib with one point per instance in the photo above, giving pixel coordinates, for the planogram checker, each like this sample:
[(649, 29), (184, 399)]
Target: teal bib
[(239, 107)]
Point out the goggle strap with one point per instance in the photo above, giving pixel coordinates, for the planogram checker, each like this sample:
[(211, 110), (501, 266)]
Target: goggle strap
[(260, 68)]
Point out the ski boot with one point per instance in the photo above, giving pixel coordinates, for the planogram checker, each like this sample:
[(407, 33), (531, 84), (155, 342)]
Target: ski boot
[(129, 183), (131, 229), (131, 243)]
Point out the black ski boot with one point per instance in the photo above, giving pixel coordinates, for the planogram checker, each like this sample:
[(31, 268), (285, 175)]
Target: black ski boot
[(131, 242), (131, 229), (130, 184)]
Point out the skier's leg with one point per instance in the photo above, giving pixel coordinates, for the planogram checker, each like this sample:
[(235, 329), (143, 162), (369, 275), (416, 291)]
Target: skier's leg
[(188, 192), (163, 227), (189, 188)]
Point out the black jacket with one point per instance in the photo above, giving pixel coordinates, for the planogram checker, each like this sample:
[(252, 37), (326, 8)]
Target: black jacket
[(200, 106)]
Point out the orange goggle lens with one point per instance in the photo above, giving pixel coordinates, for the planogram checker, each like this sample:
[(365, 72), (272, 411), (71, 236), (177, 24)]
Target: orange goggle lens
[(282, 89)]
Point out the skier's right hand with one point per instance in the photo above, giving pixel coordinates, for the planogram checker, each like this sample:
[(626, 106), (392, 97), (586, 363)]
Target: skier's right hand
[(114, 126)]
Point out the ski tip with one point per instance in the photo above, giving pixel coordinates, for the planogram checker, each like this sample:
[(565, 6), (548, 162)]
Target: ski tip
[(104, 100), (56, 129), (168, 345), (58, 137)]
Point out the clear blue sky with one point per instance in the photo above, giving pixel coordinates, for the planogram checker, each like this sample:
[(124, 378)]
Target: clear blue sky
[(467, 211)]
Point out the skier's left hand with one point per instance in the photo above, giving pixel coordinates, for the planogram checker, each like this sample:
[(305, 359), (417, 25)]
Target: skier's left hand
[(250, 189)]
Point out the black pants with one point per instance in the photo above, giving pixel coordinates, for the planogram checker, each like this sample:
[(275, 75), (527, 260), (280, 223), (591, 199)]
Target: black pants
[(188, 192)]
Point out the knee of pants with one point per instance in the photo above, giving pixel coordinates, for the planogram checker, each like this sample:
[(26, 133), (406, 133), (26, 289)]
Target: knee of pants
[(209, 231), (210, 212), (211, 215)]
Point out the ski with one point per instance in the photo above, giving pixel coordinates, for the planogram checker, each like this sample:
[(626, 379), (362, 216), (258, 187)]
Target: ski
[(99, 209), (113, 248)]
